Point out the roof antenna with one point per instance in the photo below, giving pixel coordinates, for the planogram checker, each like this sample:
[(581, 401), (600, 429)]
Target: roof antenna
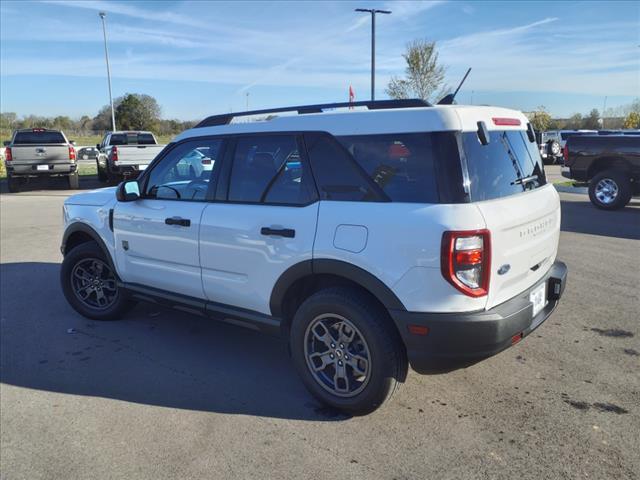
[(448, 99)]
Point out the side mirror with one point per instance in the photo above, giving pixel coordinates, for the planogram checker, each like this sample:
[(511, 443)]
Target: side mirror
[(128, 191), (483, 133), (98, 146), (6, 143), (72, 142)]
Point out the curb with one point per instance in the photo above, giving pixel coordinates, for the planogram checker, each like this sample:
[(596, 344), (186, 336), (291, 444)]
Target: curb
[(578, 190)]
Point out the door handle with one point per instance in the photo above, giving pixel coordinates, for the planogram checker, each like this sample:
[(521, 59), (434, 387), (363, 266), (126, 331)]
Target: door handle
[(278, 232), (183, 222)]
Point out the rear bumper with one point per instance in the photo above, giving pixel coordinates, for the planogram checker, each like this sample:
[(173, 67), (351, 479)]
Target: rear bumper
[(457, 340), (31, 169), (126, 170)]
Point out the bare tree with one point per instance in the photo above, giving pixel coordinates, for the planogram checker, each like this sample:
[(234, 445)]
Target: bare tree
[(424, 76)]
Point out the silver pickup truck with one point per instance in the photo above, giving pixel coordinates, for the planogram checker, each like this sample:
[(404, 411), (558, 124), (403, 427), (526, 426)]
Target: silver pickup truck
[(125, 154), (39, 152)]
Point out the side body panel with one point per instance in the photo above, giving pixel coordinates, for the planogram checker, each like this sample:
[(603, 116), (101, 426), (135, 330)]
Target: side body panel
[(240, 265), (402, 247)]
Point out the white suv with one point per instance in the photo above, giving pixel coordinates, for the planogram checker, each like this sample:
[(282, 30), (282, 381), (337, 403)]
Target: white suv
[(374, 238)]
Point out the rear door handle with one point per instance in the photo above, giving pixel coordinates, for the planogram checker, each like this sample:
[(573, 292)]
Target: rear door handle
[(278, 232), (183, 222)]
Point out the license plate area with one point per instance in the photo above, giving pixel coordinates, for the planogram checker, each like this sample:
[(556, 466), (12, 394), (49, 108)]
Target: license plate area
[(42, 168), (538, 298)]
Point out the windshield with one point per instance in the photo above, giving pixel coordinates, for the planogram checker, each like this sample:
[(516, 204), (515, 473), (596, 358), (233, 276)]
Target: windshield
[(508, 165)]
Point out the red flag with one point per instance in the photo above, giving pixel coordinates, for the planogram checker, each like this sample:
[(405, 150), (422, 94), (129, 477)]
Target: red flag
[(352, 96)]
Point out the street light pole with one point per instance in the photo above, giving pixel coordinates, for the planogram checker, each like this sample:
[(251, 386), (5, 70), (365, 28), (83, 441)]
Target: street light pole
[(373, 12), (106, 56)]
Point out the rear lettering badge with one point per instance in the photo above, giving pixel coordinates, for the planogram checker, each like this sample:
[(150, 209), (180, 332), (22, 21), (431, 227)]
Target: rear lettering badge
[(504, 269)]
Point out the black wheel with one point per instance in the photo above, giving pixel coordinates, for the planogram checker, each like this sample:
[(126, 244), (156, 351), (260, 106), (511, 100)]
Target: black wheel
[(610, 190), (553, 150), (13, 184), (89, 284), (347, 351), (74, 181), (102, 175)]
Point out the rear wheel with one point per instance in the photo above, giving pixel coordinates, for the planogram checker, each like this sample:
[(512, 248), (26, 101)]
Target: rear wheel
[(610, 190), (346, 350), (90, 285), (102, 175), (74, 181), (13, 184)]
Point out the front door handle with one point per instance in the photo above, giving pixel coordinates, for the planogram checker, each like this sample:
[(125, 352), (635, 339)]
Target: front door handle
[(278, 232), (183, 222)]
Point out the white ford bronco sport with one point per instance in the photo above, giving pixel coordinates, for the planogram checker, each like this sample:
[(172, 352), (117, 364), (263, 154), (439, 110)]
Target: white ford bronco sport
[(394, 234)]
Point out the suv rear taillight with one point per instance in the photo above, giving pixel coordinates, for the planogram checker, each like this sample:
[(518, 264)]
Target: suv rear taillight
[(114, 154), (72, 154), (565, 153), (7, 154), (466, 261)]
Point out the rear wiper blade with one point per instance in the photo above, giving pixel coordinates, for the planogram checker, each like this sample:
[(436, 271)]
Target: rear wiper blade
[(525, 180)]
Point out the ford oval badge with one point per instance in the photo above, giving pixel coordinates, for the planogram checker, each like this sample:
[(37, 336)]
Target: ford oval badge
[(504, 269)]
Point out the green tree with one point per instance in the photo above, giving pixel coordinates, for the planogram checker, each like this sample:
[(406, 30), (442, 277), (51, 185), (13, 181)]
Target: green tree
[(632, 120), (424, 75), (592, 121), (574, 122), (140, 112), (7, 120), (541, 120)]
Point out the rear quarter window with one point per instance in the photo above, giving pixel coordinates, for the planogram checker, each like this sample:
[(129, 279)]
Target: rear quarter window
[(38, 138)]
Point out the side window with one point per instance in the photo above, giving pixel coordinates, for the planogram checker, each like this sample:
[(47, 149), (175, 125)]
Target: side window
[(337, 175), (269, 169), (186, 172), (402, 165)]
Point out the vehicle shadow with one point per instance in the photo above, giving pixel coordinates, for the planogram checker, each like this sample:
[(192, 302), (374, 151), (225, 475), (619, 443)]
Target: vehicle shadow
[(582, 217), (55, 184), (153, 356)]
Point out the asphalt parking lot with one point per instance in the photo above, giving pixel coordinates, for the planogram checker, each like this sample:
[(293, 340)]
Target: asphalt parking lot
[(163, 394)]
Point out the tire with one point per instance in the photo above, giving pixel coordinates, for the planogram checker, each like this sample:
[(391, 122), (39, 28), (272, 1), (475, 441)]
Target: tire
[(553, 152), (373, 338), (13, 184), (102, 175), (74, 181), (610, 190), (77, 278)]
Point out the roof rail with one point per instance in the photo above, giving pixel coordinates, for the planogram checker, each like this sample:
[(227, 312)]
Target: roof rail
[(225, 119)]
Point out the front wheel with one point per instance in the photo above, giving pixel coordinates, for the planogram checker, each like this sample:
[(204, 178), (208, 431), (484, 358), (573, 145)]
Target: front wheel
[(90, 285), (347, 351), (610, 190), (13, 184)]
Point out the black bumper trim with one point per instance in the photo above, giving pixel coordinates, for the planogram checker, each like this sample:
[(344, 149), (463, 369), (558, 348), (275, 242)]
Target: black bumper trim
[(457, 340)]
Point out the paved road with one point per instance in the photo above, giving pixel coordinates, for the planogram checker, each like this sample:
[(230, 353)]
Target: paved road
[(167, 395)]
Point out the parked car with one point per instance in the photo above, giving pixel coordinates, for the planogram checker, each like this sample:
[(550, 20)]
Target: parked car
[(555, 140), (609, 163), (87, 153), (39, 152), (125, 154), (619, 132), (371, 239)]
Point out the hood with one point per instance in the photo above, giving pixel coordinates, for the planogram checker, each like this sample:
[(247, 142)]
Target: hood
[(95, 197)]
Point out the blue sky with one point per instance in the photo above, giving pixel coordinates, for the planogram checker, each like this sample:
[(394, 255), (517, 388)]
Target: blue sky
[(199, 58)]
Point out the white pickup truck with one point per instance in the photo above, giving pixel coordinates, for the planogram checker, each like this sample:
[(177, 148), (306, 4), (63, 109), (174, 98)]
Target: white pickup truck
[(125, 154)]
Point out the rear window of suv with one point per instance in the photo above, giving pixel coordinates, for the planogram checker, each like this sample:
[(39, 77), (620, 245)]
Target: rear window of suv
[(38, 138), (508, 165)]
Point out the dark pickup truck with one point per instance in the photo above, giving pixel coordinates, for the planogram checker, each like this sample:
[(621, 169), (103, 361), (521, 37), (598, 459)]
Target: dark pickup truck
[(610, 164)]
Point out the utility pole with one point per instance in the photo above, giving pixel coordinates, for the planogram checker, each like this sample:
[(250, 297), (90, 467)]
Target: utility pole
[(247, 95), (373, 12), (604, 109), (106, 56)]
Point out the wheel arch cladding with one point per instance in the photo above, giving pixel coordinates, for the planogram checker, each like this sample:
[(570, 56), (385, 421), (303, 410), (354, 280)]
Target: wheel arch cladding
[(305, 278), (79, 233)]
